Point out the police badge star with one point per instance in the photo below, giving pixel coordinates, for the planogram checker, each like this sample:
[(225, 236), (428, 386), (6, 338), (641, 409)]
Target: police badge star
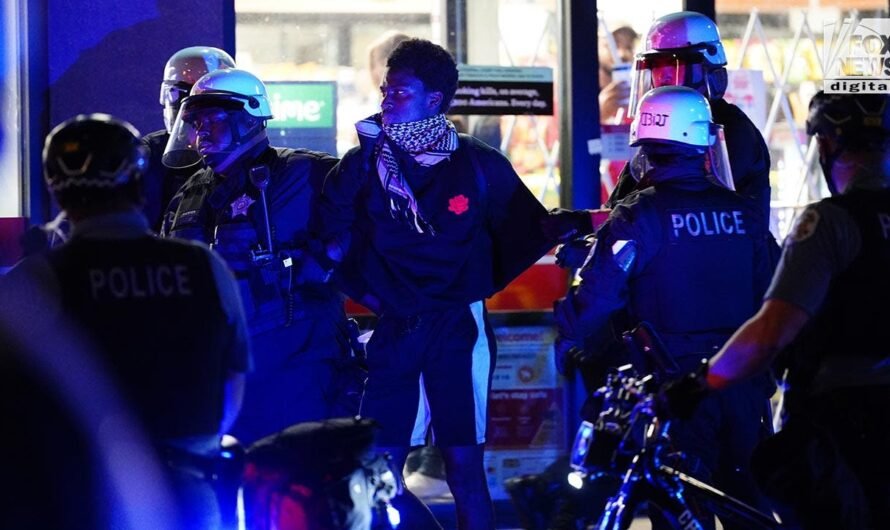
[(240, 205)]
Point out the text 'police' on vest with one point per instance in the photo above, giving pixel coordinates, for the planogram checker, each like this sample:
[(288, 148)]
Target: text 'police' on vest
[(149, 281)]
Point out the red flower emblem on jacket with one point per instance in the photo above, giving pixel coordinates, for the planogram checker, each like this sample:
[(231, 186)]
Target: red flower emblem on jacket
[(458, 204)]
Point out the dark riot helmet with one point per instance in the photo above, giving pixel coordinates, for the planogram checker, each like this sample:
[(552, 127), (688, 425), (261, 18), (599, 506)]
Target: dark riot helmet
[(182, 71), (90, 157), (855, 122), (858, 121)]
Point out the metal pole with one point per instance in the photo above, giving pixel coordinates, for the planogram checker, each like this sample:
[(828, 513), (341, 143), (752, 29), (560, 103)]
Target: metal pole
[(579, 108), (705, 7)]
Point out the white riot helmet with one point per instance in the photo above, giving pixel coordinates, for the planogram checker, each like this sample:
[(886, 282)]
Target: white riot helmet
[(678, 120), (229, 97), (182, 71), (682, 49)]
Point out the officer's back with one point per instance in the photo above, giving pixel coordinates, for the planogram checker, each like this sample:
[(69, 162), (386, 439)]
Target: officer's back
[(164, 317)]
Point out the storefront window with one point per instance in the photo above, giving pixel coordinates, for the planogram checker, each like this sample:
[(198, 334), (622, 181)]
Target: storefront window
[(294, 42), (10, 119)]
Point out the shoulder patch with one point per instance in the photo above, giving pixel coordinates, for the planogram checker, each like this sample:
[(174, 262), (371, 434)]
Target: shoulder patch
[(804, 226)]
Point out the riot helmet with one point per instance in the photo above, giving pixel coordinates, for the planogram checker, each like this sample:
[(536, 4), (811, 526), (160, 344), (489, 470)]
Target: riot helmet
[(676, 121), (847, 122), (94, 159), (223, 118), (682, 49), (182, 71)]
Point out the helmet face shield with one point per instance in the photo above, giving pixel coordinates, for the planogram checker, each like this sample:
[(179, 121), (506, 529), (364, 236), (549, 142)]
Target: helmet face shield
[(654, 70), (172, 96), (182, 147), (213, 129), (717, 161)]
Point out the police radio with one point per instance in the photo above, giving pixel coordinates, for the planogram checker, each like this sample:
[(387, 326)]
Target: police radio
[(259, 177)]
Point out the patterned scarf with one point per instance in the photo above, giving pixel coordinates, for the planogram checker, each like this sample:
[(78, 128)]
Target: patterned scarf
[(429, 141)]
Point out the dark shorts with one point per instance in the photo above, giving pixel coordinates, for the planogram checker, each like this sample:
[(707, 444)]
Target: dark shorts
[(431, 370)]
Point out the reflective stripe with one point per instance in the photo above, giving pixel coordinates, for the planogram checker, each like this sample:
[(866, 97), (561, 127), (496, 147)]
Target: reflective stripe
[(481, 370), (422, 418)]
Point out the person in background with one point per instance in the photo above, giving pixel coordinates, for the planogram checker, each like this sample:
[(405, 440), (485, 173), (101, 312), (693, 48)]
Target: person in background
[(825, 318), (436, 222), (136, 298), (182, 70)]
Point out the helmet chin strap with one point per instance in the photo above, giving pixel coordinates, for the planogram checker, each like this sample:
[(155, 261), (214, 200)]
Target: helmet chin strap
[(241, 144)]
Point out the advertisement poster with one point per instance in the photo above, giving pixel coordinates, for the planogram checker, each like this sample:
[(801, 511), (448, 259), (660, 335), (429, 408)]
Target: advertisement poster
[(503, 90), (526, 413)]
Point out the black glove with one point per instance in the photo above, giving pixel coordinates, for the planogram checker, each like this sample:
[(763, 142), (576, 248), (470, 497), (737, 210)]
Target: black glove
[(573, 254), (564, 225), (679, 398)]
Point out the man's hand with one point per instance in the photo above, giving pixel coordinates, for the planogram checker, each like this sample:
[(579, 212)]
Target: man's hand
[(565, 350), (573, 254), (680, 398), (564, 225)]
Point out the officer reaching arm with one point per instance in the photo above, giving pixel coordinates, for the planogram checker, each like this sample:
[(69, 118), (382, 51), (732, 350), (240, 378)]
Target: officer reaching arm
[(828, 301)]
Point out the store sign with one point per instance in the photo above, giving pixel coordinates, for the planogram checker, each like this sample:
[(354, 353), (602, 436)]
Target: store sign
[(302, 104), (856, 56), (747, 90), (503, 90)]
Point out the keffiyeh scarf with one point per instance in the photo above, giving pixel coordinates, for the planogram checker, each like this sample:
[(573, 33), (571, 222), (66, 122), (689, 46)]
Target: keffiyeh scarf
[(429, 141)]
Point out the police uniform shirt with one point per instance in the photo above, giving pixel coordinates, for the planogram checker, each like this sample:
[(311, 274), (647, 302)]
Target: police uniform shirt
[(823, 243), (32, 293), (704, 225)]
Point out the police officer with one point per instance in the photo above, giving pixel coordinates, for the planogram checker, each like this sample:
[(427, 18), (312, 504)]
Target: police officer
[(827, 308), (680, 254), (182, 70), (684, 49), (251, 203), (137, 297)]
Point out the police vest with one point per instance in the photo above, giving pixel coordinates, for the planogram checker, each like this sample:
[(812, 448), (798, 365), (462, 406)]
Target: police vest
[(153, 311), (701, 281), (227, 213), (854, 317)]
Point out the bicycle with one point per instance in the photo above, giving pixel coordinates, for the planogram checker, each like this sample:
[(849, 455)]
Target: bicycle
[(630, 441)]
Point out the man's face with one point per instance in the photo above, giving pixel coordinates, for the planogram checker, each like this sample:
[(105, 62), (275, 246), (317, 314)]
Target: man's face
[(405, 99), (214, 130), (666, 71)]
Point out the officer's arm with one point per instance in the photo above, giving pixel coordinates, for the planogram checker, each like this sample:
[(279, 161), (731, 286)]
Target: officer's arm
[(754, 346), (823, 242), (617, 253), (333, 211)]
